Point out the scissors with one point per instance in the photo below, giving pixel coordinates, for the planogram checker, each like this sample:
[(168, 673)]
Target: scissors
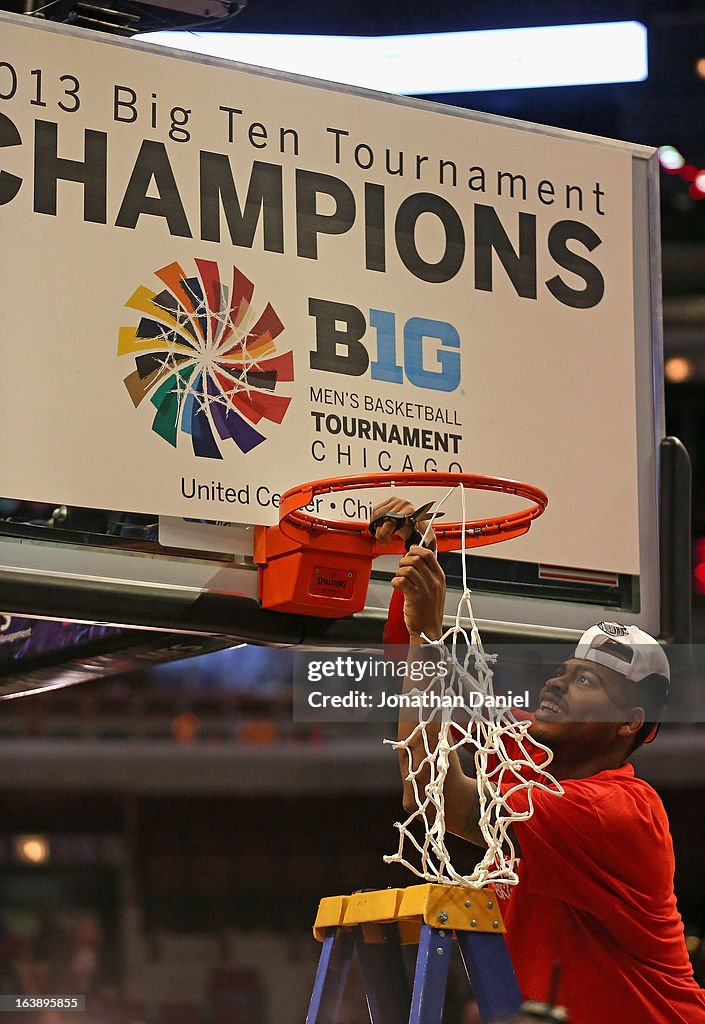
[(401, 520)]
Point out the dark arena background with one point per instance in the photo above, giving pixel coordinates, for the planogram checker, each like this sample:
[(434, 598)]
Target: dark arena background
[(166, 827)]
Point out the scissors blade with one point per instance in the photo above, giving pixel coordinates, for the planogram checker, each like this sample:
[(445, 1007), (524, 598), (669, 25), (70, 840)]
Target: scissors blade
[(420, 512)]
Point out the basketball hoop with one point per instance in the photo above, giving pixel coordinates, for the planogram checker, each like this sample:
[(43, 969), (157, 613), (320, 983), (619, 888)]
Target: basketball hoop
[(312, 565)]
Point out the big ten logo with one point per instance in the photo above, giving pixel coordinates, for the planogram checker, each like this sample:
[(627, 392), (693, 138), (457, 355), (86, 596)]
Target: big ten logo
[(425, 352)]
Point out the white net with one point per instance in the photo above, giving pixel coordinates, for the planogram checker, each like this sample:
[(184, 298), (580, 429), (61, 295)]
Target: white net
[(506, 758)]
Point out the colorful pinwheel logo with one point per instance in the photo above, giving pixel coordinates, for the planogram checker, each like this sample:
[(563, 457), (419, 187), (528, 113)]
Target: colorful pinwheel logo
[(210, 371)]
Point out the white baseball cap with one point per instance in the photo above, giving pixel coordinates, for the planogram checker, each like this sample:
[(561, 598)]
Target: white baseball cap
[(625, 649), (629, 651)]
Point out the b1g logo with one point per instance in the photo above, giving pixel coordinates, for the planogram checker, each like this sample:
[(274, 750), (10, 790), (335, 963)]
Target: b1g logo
[(427, 352), (211, 370)]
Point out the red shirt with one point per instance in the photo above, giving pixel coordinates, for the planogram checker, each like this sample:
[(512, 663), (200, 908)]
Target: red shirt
[(596, 895)]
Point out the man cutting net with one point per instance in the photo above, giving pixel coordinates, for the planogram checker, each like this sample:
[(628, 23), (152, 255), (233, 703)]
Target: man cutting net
[(596, 872)]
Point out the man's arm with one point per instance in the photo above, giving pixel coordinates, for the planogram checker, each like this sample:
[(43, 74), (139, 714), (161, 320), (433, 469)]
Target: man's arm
[(422, 582)]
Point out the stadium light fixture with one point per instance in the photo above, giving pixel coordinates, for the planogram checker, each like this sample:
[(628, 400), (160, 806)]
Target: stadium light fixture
[(441, 62)]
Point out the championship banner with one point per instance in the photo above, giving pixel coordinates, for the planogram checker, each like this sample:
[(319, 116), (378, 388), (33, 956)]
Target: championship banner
[(218, 282)]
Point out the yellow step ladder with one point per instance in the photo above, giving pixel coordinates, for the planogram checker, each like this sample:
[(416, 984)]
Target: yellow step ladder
[(377, 924)]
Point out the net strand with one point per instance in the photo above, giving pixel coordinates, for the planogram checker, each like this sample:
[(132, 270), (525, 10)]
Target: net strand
[(502, 749)]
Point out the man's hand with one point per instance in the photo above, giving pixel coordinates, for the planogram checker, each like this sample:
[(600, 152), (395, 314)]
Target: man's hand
[(388, 528), (423, 584), (419, 576)]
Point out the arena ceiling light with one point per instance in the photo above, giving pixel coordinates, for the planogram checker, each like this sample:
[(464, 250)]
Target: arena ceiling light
[(441, 62)]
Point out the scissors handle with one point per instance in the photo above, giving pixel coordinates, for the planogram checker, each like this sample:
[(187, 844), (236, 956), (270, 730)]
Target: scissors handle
[(415, 537)]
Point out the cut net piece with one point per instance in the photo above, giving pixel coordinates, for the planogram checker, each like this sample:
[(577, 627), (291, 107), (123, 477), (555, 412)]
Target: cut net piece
[(503, 750)]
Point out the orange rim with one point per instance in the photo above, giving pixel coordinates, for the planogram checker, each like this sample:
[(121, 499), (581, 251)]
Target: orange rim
[(298, 525)]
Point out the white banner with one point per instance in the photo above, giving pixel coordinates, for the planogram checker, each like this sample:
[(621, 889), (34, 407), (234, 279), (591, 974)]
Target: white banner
[(217, 284)]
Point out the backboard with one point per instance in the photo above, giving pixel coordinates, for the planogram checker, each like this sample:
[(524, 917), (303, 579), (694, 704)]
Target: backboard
[(271, 280)]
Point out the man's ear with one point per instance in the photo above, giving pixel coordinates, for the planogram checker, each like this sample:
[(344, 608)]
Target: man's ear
[(635, 719)]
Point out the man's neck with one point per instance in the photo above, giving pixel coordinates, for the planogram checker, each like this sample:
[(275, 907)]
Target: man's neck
[(563, 768)]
